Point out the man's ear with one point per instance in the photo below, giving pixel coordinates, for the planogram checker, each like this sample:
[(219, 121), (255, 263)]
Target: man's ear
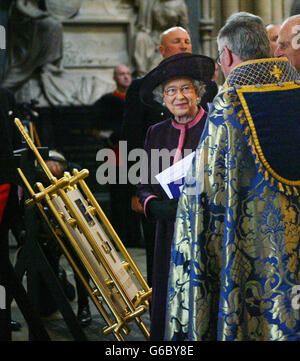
[(161, 49), (228, 58)]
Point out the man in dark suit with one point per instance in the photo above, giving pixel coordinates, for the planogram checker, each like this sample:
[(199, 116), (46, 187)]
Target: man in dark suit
[(107, 129)]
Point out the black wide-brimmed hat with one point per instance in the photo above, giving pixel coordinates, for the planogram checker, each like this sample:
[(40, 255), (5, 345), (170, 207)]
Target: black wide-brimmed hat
[(197, 67)]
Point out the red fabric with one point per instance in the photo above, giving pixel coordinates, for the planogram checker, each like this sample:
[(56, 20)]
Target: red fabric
[(4, 193), (182, 128), (119, 161), (180, 145), (118, 94)]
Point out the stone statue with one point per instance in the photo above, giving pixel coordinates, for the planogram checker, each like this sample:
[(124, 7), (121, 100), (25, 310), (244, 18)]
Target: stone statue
[(154, 17), (35, 43), (35, 57)]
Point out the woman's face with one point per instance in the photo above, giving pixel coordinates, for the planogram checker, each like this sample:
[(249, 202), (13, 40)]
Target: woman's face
[(180, 97)]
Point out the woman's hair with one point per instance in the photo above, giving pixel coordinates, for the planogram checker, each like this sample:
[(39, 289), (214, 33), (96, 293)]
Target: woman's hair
[(199, 86)]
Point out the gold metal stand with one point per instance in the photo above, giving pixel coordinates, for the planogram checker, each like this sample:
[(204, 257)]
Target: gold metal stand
[(116, 286)]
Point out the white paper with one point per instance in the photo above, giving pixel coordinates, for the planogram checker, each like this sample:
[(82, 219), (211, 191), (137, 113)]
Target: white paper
[(172, 178)]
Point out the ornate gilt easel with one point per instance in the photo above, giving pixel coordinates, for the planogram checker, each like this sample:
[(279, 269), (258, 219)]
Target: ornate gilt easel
[(116, 286)]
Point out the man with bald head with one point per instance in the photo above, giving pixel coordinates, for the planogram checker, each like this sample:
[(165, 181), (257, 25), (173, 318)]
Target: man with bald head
[(273, 31), (122, 77), (108, 123), (288, 43), (174, 40)]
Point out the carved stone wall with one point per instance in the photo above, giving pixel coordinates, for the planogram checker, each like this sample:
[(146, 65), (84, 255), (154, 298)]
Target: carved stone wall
[(102, 35), (99, 38), (94, 42)]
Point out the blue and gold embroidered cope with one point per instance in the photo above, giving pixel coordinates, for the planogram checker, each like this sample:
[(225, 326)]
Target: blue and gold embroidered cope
[(236, 250), (271, 139)]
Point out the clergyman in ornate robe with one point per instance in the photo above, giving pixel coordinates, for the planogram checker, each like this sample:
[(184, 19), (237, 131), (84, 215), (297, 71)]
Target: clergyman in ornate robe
[(235, 258)]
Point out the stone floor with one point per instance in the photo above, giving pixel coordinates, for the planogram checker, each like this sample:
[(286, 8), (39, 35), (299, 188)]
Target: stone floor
[(56, 326)]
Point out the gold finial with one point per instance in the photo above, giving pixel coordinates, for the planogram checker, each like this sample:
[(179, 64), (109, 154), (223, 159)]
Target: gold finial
[(276, 72)]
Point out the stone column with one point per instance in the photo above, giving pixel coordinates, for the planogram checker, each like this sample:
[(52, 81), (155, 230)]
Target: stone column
[(291, 7), (247, 5), (213, 14), (264, 10), (277, 12), (230, 7), (194, 16), (206, 27)]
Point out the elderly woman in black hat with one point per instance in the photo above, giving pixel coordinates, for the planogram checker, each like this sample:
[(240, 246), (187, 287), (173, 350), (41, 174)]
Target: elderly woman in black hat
[(179, 83)]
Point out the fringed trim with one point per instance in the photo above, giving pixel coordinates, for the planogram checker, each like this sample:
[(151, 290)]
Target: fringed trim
[(247, 130), (284, 185)]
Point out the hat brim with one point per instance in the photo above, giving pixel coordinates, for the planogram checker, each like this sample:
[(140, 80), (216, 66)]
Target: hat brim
[(185, 65)]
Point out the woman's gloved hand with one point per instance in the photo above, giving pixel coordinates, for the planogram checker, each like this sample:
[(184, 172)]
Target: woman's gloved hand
[(162, 210)]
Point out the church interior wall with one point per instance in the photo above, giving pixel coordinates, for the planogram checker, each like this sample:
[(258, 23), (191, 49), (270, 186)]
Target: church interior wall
[(102, 35)]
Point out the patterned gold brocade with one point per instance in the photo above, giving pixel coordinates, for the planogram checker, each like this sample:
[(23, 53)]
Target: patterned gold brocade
[(236, 248), (262, 71)]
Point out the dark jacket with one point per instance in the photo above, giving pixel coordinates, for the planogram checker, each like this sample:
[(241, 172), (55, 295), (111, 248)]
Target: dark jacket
[(9, 138), (139, 117), (164, 135), (109, 109)]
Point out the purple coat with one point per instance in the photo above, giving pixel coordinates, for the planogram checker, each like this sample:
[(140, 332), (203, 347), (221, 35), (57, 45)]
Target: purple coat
[(165, 135)]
